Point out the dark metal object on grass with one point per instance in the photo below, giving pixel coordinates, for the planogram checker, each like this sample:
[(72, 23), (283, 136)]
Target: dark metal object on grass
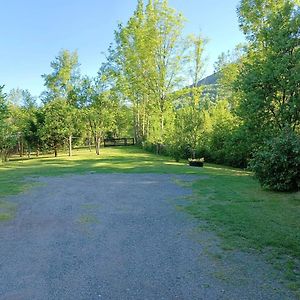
[(196, 162)]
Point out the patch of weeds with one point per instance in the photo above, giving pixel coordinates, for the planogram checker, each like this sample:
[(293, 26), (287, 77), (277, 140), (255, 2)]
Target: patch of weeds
[(294, 286), (217, 256), (181, 182), (6, 216), (226, 247), (207, 250), (180, 207), (7, 211), (221, 275), (88, 219)]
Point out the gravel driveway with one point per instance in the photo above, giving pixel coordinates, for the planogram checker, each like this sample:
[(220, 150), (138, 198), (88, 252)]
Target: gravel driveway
[(120, 236)]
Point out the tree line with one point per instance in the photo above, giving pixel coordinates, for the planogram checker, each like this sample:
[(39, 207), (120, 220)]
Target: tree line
[(148, 87)]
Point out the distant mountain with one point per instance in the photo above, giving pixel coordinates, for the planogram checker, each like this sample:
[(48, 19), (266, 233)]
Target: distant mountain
[(209, 80), (210, 87)]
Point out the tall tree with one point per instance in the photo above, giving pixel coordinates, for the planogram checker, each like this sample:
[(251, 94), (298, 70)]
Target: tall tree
[(148, 58), (7, 129), (33, 130), (227, 68), (22, 105), (269, 81), (189, 120), (61, 84), (99, 107), (58, 124), (194, 62), (269, 85), (65, 73)]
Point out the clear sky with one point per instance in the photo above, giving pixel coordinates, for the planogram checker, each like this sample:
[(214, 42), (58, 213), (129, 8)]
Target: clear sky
[(32, 32)]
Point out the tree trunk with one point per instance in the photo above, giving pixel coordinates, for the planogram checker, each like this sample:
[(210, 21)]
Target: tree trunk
[(5, 157), (55, 151), (148, 126), (97, 145), (136, 131), (89, 143), (157, 149), (137, 124), (21, 147), (144, 123), (137, 127), (162, 121), (70, 145), (193, 153)]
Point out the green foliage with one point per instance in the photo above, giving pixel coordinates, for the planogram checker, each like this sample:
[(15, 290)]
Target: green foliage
[(194, 62), (277, 163), (3, 104), (269, 79), (61, 87), (123, 122), (22, 107), (189, 127), (100, 109), (227, 69), (238, 147), (147, 65), (60, 83), (32, 133), (8, 134), (267, 85), (58, 123), (223, 123)]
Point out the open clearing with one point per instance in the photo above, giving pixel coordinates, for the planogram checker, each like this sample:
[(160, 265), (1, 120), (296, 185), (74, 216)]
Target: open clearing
[(125, 236)]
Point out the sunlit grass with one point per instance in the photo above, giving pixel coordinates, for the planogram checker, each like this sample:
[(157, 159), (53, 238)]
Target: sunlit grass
[(13, 174)]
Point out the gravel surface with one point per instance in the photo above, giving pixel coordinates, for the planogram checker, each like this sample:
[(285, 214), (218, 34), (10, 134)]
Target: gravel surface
[(120, 236)]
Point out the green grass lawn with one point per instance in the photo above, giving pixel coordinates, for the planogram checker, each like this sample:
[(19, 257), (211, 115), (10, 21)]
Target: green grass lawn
[(229, 201)]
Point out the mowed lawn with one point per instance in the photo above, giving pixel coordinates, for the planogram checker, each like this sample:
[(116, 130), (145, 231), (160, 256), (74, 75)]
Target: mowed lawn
[(226, 200)]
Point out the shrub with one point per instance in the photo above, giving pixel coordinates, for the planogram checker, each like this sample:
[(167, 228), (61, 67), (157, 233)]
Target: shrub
[(277, 163), (238, 148)]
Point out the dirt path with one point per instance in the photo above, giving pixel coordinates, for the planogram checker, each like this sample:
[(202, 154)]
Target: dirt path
[(120, 236)]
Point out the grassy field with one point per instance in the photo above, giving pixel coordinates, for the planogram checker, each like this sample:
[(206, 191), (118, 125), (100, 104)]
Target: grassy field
[(229, 201)]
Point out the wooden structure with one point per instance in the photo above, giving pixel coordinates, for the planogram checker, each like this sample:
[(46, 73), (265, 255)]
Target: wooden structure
[(118, 142)]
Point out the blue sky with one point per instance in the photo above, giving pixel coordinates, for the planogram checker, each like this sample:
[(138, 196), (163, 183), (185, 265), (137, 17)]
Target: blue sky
[(32, 33)]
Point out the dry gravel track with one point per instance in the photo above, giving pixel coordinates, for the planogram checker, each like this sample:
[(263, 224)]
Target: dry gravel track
[(120, 236)]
